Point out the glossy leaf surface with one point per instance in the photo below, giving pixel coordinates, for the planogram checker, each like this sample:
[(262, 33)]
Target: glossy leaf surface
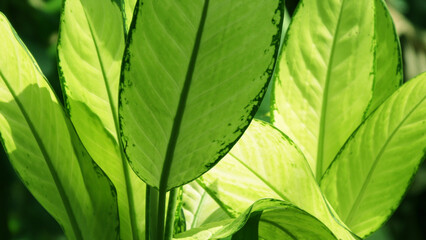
[(45, 151), (267, 161), (90, 49), (336, 68), (288, 221), (190, 86), (369, 177)]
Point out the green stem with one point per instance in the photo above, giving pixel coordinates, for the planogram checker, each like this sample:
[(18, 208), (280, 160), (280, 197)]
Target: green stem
[(151, 209), (171, 210), (161, 213), (147, 215)]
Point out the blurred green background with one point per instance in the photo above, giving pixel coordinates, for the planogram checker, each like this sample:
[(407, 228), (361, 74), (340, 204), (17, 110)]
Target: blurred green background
[(37, 22)]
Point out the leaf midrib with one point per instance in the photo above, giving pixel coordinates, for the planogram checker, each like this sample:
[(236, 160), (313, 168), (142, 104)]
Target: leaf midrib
[(366, 182), (198, 209), (129, 189), (68, 209), (171, 146), (321, 135)]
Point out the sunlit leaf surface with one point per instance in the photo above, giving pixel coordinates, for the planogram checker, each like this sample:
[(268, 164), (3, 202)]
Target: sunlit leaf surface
[(266, 164), (190, 85), (90, 49), (341, 60), (45, 151), (369, 177)]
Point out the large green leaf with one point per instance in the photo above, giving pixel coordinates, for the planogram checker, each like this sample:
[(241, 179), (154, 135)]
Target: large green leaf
[(279, 220), (90, 49), (267, 161), (371, 174), (45, 150), (340, 58), (194, 75)]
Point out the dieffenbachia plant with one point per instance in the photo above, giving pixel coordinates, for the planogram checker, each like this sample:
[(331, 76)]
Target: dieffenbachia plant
[(157, 92)]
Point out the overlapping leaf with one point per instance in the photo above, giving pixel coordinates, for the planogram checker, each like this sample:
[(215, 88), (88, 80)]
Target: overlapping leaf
[(278, 220), (91, 46), (45, 151), (370, 175), (267, 161), (194, 75), (341, 59)]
